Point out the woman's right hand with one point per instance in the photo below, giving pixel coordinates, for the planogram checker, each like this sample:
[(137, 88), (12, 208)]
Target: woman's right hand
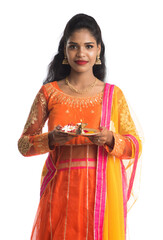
[(57, 137)]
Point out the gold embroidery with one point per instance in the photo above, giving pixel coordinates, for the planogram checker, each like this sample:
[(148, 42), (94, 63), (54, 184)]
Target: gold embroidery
[(75, 102), (24, 145), (119, 145), (42, 145), (33, 116), (126, 123)]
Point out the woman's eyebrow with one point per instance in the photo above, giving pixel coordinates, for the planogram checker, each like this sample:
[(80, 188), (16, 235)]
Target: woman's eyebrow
[(77, 43), (89, 43), (72, 43)]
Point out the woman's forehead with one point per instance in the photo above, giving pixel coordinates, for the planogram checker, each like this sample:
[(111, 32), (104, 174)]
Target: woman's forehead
[(81, 35)]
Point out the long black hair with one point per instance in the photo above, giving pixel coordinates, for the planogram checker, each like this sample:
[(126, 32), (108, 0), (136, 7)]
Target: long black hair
[(57, 70)]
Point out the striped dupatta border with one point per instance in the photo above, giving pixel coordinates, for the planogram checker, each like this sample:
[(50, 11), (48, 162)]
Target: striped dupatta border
[(100, 195), (136, 144), (127, 188), (124, 189)]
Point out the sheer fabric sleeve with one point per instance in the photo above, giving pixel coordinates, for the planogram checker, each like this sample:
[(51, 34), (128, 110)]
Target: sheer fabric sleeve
[(33, 141), (122, 147), (128, 145), (124, 126)]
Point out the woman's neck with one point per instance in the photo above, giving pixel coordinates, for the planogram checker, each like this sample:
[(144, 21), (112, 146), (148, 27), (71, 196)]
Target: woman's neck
[(81, 80)]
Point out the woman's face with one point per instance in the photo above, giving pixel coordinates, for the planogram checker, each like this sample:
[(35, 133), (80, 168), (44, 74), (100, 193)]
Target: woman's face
[(81, 50)]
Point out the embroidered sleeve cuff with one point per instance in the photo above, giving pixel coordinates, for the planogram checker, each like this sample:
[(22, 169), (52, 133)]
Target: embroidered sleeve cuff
[(122, 147)]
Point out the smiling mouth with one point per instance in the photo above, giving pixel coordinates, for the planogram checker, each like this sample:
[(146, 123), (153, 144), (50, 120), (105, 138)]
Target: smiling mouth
[(80, 62)]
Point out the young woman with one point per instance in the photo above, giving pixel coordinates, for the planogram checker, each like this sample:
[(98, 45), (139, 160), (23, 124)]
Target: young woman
[(87, 181)]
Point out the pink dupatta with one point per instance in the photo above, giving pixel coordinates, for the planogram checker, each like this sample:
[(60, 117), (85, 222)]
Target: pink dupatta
[(101, 181), (100, 196)]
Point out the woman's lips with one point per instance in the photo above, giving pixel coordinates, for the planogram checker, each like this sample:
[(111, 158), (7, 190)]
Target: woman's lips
[(81, 62)]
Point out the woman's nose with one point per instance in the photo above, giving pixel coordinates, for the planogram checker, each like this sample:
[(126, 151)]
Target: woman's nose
[(80, 52)]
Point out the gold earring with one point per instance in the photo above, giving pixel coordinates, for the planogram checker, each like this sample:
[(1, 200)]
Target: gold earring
[(98, 61), (65, 61)]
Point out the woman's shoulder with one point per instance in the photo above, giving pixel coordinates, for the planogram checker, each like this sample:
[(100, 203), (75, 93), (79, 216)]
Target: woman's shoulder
[(116, 88), (50, 87)]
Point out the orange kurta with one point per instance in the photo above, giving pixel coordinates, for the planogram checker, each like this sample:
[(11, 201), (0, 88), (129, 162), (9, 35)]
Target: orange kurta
[(66, 208)]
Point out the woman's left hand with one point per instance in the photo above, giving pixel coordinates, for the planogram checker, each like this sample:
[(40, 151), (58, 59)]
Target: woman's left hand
[(104, 137)]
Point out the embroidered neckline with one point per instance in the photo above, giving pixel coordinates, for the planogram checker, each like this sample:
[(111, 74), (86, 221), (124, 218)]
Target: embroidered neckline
[(80, 102), (55, 84)]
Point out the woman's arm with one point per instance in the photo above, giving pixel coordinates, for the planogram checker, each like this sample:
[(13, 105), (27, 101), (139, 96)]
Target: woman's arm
[(124, 146), (115, 144), (33, 141), (118, 143)]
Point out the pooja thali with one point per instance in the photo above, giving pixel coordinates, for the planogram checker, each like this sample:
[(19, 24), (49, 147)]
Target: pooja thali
[(77, 129)]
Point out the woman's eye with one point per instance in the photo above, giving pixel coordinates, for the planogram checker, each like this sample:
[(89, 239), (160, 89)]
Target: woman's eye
[(72, 46), (89, 46)]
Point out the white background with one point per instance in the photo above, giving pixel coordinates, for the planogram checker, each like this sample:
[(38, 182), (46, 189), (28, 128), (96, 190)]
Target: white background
[(30, 32)]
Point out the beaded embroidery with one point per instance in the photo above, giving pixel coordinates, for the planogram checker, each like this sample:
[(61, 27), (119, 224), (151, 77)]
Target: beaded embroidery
[(33, 116), (24, 144), (42, 145), (119, 145), (126, 123), (75, 102)]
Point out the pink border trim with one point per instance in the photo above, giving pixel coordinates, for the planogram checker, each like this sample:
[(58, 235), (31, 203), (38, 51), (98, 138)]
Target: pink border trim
[(100, 197), (98, 192), (105, 155), (110, 104), (63, 169), (124, 187), (103, 198), (51, 172), (135, 141), (79, 160), (127, 192), (104, 103), (99, 169)]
